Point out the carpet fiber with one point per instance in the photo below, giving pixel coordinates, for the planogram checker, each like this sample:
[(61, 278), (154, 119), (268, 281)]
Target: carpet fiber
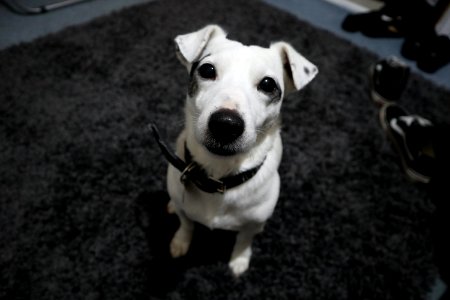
[(82, 183)]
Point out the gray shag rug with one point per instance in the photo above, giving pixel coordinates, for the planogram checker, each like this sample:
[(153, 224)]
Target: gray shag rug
[(82, 183)]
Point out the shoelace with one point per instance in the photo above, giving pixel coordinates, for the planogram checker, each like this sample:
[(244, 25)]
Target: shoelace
[(410, 128)]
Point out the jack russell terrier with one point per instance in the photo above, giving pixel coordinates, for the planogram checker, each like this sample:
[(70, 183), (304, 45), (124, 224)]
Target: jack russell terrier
[(225, 171)]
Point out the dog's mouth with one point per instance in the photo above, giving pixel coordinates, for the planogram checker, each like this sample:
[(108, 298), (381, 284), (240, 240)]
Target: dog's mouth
[(220, 149)]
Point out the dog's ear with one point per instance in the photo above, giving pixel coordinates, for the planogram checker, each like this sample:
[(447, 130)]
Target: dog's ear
[(298, 71), (190, 46)]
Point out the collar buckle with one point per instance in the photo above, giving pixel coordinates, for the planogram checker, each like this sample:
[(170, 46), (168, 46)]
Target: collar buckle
[(220, 187), (186, 174)]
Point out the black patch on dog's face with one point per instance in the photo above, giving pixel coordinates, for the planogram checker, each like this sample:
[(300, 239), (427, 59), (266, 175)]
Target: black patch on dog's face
[(276, 97), (193, 85)]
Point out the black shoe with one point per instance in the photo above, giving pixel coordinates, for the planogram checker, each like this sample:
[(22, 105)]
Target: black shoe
[(435, 56), (410, 136), (415, 44), (385, 22), (388, 79)]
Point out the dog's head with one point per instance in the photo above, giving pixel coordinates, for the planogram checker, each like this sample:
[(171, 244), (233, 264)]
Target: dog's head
[(235, 91)]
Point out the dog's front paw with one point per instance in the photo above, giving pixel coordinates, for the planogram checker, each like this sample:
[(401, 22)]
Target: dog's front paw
[(239, 265), (179, 245)]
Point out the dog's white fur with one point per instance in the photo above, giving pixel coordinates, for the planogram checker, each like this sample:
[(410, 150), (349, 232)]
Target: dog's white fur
[(240, 68)]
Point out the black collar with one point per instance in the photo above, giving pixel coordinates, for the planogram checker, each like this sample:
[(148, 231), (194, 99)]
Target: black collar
[(193, 172)]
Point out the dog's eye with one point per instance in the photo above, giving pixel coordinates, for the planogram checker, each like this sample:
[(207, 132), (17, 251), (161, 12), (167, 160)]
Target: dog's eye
[(267, 85), (207, 71)]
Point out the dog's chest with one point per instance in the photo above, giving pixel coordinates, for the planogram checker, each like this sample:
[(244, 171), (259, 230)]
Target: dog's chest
[(218, 211)]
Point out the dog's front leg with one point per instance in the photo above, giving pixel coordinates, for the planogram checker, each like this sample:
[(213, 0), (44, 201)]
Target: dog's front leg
[(242, 251), (179, 245)]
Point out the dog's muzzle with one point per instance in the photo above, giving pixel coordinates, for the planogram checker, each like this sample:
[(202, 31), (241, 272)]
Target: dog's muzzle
[(225, 127)]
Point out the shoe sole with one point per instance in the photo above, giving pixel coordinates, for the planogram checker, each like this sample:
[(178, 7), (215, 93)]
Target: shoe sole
[(412, 174)]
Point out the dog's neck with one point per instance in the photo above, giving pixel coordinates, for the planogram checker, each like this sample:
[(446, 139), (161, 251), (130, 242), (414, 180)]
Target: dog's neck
[(221, 166)]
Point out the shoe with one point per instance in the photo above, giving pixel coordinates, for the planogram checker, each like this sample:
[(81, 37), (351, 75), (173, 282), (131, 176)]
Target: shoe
[(435, 56), (385, 22), (415, 44), (388, 79), (410, 136)]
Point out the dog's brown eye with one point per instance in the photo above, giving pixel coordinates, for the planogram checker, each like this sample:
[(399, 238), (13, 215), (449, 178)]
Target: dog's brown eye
[(207, 71), (267, 85)]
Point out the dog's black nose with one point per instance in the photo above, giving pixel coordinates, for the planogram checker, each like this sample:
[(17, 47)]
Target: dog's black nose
[(226, 126)]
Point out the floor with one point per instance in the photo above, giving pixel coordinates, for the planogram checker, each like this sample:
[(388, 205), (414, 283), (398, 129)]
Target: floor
[(16, 28)]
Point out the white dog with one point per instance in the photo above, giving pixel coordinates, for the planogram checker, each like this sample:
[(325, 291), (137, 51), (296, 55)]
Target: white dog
[(225, 172)]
